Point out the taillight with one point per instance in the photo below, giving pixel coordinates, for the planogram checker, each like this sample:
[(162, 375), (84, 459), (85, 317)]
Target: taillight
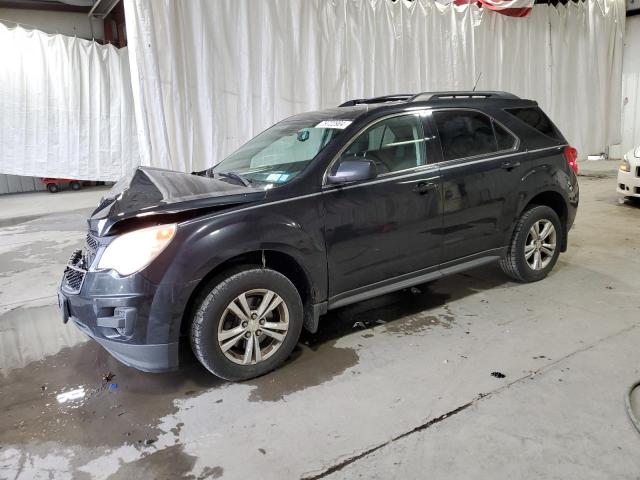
[(571, 154)]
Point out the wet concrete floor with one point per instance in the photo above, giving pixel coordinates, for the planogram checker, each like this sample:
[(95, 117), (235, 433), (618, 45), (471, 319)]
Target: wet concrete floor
[(354, 398)]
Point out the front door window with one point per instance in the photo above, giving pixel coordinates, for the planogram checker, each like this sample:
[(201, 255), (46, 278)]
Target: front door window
[(394, 144)]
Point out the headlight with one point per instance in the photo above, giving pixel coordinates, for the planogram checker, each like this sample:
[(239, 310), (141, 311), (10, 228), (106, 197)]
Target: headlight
[(625, 166), (133, 251)]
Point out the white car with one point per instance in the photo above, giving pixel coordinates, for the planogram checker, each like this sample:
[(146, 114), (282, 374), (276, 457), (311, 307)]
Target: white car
[(629, 174)]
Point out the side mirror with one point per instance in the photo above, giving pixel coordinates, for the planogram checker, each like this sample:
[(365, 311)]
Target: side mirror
[(353, 170)]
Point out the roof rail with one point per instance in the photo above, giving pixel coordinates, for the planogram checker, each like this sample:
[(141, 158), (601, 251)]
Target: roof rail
[(385, 98), (424, 96)]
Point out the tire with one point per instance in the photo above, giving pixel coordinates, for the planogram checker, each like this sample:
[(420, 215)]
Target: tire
[(52, 187), (212, 317), (75, 185), (519, 266)]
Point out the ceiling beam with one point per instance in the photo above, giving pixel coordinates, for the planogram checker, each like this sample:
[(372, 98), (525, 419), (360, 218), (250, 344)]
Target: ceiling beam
[(51, 6)]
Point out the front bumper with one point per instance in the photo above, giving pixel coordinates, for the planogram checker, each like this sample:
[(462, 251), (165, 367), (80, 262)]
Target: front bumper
[(148, 358), (132, 318), (629, 183)]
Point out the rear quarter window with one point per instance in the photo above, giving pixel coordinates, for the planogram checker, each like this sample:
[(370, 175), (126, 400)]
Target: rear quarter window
[(536, 118)]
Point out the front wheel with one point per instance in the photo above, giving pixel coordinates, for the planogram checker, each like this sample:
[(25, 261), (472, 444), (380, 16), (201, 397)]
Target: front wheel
[(247, 325), (535, 245)]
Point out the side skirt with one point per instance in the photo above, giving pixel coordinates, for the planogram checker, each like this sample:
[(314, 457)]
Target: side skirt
[(409, 280)]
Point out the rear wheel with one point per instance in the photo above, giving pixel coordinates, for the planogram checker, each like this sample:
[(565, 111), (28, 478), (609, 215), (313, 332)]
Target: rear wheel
[(52, 187), (535, 245), (247, 325), (75, 185)]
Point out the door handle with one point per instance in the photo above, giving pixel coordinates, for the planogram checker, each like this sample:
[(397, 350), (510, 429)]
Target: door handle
[(509, 164), (424, 187)]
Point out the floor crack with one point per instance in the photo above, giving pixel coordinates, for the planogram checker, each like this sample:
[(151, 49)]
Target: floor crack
[(348, 461), (339, 466)]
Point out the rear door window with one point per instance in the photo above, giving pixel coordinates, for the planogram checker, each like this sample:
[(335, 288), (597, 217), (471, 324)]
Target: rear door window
[(536, 118), (464, 133)]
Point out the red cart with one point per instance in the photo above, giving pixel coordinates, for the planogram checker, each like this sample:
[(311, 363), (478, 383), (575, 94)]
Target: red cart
[(54, 184)]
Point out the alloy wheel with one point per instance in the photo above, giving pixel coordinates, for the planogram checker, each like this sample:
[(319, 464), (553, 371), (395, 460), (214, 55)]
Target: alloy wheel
[(540, 245), (253, 326)]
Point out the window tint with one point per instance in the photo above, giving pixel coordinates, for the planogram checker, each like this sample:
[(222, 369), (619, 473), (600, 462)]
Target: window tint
[(505, 140), (393, 144), (536, 118), (464, 133)]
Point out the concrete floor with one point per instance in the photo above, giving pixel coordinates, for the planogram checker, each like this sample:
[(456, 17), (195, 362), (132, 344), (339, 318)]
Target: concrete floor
[(21, 207), (409, 394)]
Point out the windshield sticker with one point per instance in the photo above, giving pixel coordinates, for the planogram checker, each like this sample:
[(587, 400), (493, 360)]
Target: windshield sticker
[(277, 177), (338, 124)]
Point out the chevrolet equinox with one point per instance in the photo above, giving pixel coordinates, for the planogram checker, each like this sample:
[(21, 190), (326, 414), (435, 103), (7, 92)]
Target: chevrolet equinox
[(321, 210)]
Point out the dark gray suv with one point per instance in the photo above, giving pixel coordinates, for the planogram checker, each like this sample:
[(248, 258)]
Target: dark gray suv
[(319, 211)]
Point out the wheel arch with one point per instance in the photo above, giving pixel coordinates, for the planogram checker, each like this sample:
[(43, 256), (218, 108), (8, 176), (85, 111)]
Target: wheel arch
[(554, 200), (273, 259)]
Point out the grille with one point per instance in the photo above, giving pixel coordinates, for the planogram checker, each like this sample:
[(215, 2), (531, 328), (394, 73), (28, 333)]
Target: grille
[(73, 279), (92, 243), (73, 274), (91, 247)]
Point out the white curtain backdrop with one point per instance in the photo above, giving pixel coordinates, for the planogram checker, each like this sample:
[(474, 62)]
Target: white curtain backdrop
[(208, 75), (66, 108)]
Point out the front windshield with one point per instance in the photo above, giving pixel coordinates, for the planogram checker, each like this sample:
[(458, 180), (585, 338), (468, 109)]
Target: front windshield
[(278, 154)]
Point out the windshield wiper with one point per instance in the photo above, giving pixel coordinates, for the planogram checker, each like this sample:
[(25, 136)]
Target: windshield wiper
[(235, 176)]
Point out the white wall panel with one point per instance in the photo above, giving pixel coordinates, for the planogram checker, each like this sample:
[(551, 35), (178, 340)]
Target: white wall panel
[(17, 184)]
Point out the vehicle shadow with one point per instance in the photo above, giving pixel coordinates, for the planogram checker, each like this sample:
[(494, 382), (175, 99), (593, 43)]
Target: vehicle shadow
[(397, 306), (629, 202)]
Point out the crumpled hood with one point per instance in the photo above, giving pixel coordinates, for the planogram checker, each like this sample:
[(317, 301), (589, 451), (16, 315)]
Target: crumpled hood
[(154, 195)]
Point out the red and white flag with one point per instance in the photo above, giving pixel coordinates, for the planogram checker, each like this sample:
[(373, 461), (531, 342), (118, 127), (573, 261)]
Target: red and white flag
[(513, 8)]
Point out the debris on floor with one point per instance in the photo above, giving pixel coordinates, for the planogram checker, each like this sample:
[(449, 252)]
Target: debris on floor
[(498, 374), (107, 377)]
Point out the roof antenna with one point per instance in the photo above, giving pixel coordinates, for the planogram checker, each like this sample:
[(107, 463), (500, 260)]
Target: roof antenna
[(476, 84)]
